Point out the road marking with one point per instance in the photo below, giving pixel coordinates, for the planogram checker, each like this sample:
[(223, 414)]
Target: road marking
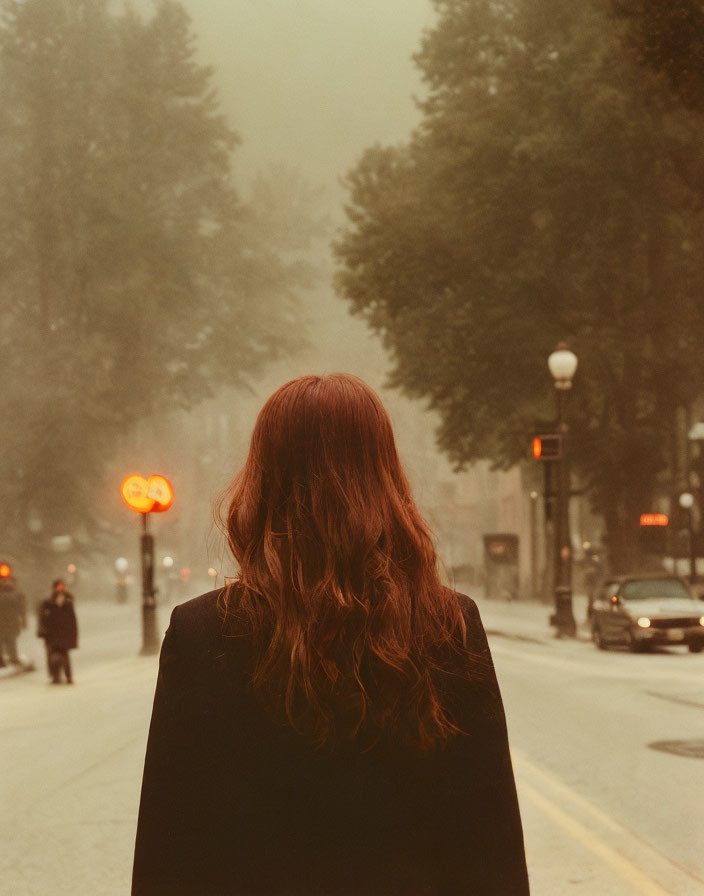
[(627, 871), (564, 790), (622, 866)]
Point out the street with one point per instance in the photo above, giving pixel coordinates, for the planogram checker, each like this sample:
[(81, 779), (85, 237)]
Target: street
[(605, 813)]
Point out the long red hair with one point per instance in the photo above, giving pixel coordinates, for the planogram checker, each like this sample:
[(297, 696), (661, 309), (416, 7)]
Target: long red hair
[(338, 584)]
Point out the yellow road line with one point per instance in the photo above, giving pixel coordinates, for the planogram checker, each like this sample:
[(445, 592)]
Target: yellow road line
[(566, 792), (632, 875)]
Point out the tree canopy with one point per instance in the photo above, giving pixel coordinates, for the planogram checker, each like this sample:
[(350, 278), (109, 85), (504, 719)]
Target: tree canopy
[(135, 277), (669, 38), (540, 199)]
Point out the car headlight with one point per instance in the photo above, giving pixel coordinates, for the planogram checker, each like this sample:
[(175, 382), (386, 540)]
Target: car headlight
[(644, 622), (701, 620)]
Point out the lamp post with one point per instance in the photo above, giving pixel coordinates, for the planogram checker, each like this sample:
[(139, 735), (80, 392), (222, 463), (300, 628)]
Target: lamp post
[(563, 365), (687, 503), (695, 471), (154, 495), (534, 544)]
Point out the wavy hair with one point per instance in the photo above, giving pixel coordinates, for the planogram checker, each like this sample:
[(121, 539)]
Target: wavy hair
[(338, 586)]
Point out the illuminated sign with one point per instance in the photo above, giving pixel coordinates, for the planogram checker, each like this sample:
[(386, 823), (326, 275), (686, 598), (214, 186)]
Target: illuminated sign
[(654, 519), (153, 495), (161, 491), (134, 493)]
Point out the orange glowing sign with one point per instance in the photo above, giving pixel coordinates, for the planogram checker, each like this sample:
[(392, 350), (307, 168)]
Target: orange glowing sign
[(654, 519), (134, 491), (5, 570), (161, 491), (537, 447), (153, 495)]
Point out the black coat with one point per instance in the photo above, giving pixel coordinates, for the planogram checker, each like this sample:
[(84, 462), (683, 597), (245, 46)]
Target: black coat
[(233, 803), (12, 611), (57, 624)]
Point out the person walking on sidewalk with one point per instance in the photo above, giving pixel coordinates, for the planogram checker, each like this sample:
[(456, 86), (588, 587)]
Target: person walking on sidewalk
[(13, 618), (59, 629), (329, 722)]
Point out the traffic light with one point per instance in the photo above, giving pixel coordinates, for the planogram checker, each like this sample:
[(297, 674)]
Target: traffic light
[(547, 447)]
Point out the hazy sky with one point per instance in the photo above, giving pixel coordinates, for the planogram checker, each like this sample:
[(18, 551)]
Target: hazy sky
[(313, 82)]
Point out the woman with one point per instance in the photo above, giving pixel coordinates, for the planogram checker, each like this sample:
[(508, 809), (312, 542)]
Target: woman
[(330, 723)]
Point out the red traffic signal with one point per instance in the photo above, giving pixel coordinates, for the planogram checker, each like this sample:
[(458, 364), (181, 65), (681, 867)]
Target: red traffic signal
[(547, 447)]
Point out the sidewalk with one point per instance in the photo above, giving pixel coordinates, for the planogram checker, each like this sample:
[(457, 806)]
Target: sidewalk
[(13, 669), (526, 620)]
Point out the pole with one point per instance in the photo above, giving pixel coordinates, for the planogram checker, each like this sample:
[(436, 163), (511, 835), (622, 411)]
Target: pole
[(534, 544), (692, 546), (563, 620), (150, 641)]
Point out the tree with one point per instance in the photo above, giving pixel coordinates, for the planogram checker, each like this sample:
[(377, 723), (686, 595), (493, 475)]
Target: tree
[(538, 200), (669, 38), (134, 279)]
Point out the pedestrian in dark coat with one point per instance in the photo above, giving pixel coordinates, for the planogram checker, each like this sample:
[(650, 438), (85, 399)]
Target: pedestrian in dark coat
[(12, 620), (330, 723), (59, 629)]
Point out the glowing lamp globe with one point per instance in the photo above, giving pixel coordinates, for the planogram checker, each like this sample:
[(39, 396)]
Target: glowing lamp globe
[(160, 490), (563, 366), (134, 491)]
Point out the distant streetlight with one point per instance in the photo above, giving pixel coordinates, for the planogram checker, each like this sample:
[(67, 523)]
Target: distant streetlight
[(121, 565), (167, 562), (562, 364)]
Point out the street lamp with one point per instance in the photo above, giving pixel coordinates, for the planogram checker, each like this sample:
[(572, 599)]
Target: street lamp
[(686, 500), (146, 496), (563, 366)]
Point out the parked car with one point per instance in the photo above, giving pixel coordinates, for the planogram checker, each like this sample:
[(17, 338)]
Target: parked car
[(639, 611)]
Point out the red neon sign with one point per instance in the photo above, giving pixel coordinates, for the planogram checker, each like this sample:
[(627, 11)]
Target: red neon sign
[(654, 519)]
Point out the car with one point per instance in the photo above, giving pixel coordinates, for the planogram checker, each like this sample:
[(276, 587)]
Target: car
[(641, 611)]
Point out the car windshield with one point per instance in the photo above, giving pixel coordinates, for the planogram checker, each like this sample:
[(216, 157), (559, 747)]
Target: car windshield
[(655, 588)]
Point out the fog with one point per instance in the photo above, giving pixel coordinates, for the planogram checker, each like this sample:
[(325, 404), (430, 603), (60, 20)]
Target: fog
[(309, 86), (312, 84), (177, 240)]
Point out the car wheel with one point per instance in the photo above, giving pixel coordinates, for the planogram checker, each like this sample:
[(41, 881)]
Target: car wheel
[(696, 647), (598, 638)]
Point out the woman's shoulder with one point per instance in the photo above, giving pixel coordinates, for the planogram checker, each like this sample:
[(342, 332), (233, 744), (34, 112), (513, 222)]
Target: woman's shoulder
[(469, 609), (199, 617), (198, 638)]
